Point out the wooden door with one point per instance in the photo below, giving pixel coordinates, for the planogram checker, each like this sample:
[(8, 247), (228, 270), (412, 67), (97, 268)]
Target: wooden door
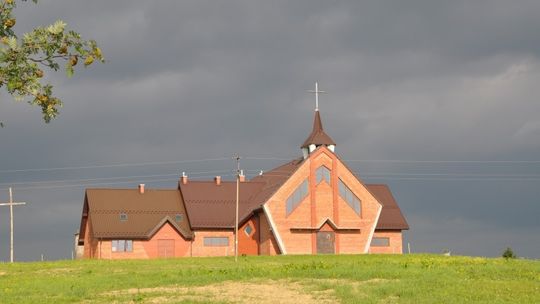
[(326, 242), (165, 248)]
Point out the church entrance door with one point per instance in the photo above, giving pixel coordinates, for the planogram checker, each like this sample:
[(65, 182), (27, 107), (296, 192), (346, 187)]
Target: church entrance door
[(326, 242)]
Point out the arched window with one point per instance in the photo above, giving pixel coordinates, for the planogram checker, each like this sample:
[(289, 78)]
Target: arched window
[(297, 196), (348, 196), (322, 173)]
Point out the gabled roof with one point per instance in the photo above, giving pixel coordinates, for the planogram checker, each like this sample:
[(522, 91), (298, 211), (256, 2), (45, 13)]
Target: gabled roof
[(391, 217), (213, 206), (146, 213), (317, 136)]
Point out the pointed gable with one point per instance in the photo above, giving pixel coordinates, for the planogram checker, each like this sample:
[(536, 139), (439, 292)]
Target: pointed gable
[(318, 136), (144, 213)]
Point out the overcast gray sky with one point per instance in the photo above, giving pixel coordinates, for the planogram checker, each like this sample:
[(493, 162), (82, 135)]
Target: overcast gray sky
[(451, 85)]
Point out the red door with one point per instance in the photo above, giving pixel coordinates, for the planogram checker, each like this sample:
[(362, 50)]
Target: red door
[(165, 248)]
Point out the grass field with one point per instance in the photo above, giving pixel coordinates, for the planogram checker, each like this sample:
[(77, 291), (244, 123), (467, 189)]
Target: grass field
[(281, 279)]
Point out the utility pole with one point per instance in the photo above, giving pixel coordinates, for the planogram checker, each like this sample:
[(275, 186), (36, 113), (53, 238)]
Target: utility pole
[(11, 203), (237, 203)]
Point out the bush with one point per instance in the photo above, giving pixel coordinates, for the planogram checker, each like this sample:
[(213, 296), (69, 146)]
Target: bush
[(509, 254)]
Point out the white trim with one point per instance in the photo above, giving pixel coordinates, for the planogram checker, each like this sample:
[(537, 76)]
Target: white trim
[(368, 243), (274, 229)]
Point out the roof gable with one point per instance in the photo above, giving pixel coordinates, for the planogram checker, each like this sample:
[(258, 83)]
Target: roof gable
[(144, 212)]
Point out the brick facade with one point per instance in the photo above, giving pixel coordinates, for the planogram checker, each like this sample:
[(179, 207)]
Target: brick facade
[(298, 230), (394, 239)]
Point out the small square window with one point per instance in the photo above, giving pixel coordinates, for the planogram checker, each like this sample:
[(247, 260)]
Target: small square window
[(248, 230), (123, 217), (179, 217)]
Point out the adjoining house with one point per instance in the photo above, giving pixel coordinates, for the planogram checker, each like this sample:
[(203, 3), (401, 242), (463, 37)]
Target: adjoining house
[(310, 205)]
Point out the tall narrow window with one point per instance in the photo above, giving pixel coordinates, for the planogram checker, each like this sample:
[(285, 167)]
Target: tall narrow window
[(322, 173), (348, 196), (298, 195)]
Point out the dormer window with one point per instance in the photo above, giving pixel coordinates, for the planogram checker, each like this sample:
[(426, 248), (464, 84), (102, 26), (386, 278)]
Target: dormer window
[(123, 217), (322, 173)]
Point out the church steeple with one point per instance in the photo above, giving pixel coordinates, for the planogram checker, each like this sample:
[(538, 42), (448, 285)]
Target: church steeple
[(318, 136)]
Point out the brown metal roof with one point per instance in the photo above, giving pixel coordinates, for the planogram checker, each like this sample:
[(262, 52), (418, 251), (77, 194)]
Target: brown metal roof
[(391, 217), (213, 206), (146, 212), (274, 178), (317, 136)]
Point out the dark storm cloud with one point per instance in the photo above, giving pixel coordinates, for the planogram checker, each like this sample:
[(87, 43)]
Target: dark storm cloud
[(417, 80)]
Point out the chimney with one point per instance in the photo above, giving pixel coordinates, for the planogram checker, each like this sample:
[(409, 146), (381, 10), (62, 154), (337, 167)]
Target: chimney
[(184, 178), (141, 188), (242, 177), (218, 180)]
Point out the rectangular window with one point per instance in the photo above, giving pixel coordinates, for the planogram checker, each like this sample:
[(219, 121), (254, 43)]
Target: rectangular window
[(122, 245), (216, 241), (380, 242)]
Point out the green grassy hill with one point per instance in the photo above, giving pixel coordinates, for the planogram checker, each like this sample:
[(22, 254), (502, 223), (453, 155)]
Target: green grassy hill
[(282, 279)]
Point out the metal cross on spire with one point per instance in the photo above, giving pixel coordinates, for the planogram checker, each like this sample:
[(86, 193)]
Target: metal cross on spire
[(316, 95), (11, 203)]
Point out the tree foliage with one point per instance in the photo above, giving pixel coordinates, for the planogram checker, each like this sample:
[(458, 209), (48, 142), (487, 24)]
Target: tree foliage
[(23, 59), (509, 253)]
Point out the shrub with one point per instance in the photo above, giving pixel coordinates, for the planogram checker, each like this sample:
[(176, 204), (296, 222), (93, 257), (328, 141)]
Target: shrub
[(509, 254)]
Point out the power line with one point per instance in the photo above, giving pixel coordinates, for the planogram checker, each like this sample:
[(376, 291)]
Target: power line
[(110, 178), (105, 183), (113, 165), (443, 161), (139, 164)]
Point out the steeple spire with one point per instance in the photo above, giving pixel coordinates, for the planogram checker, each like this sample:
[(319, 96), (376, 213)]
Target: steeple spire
[(318, 136)]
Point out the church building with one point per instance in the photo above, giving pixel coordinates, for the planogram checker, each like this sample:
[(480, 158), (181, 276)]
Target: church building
[(310, 205)]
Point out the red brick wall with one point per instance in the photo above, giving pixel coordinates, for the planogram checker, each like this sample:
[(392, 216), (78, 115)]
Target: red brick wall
[(322, 203), (167, 232), (395, 238), (90, 244), (142, 249), (200, 250), (267, 245)]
